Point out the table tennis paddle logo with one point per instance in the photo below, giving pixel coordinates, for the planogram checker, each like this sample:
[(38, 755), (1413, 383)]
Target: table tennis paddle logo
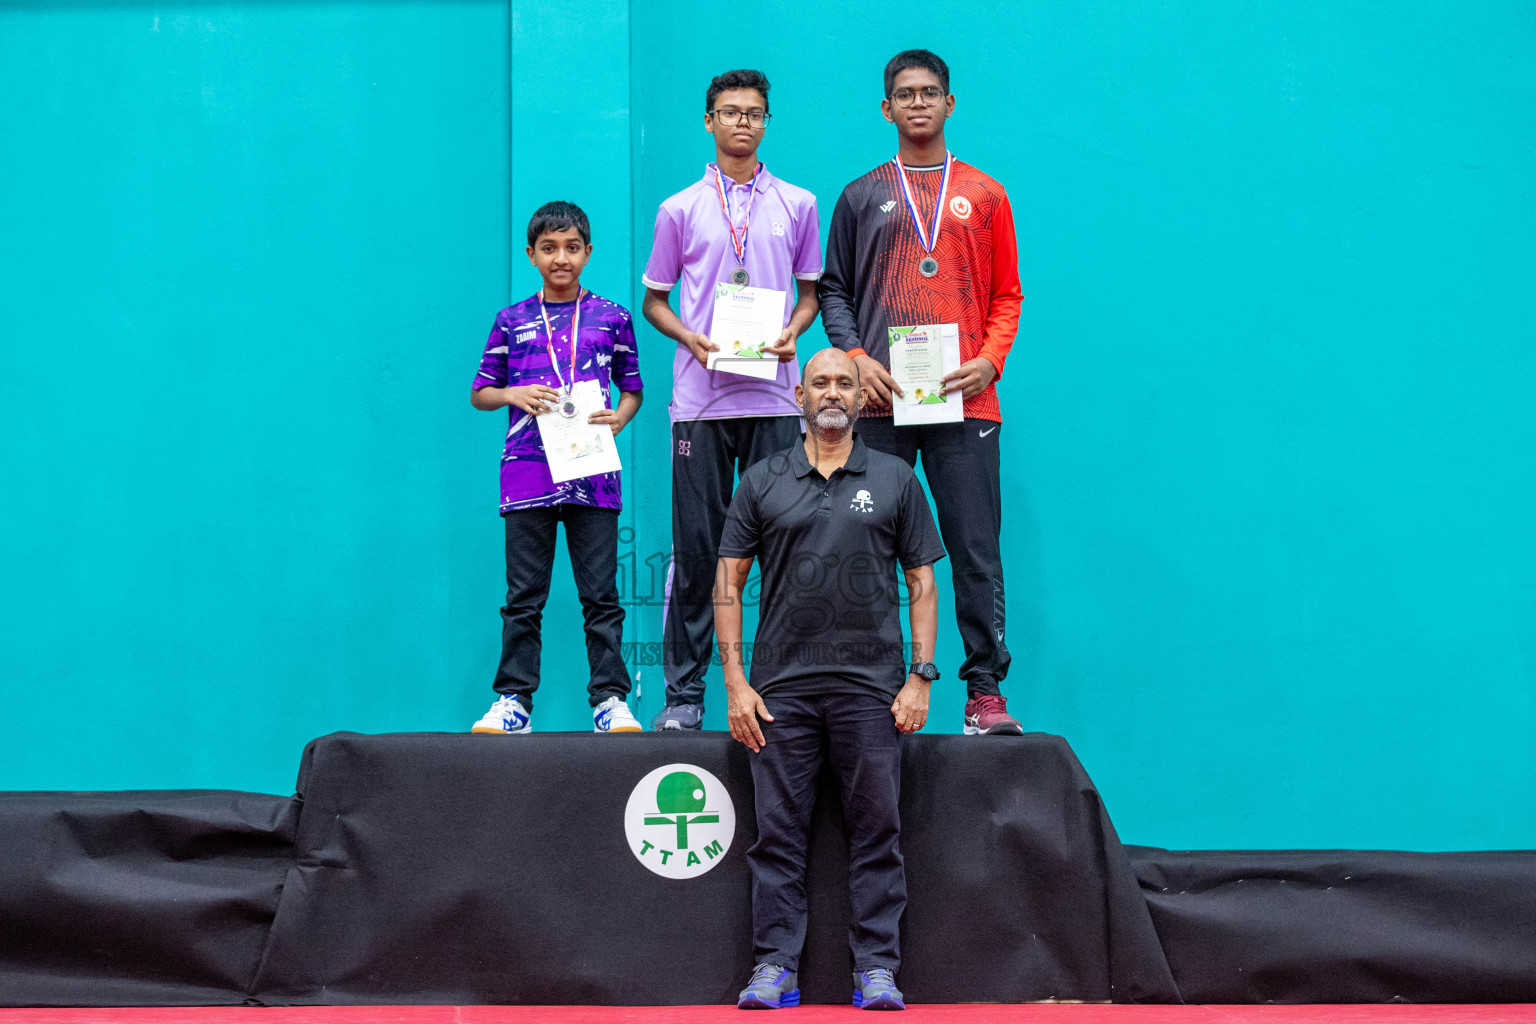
[(679, 821)]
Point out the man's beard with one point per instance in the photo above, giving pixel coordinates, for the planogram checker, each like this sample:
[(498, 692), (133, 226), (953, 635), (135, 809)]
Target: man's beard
[(832, 418)]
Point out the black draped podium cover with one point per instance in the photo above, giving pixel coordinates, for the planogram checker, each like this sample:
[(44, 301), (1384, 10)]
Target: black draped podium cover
[(138, 898), (1332, 926), (454, 869), (572, 868)]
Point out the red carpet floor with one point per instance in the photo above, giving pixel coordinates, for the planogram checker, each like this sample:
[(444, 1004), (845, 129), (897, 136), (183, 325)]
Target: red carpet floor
[(955, 1014)]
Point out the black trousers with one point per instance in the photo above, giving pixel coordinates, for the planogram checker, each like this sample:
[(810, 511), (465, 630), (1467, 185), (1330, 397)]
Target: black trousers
[(858, 733), (706, 456), (961, 462), (592, 536)]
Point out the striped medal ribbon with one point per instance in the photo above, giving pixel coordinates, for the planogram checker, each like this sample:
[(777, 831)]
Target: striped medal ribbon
[(738, 244), (928, 265), (567, 402)]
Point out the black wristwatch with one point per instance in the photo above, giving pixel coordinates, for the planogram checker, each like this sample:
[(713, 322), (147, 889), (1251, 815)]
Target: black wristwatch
[(924, 669)]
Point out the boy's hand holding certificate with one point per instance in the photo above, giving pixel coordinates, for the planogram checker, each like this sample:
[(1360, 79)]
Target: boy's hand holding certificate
[(746, 321), (920, 359), (573, 447)]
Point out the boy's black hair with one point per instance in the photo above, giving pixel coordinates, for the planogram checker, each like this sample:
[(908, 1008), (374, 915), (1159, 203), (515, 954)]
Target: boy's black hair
[(559, 216), (915, 59), (743, 79)]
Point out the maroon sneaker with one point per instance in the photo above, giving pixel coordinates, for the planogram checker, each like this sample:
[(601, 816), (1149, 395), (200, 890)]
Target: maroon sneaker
[(988, 715)]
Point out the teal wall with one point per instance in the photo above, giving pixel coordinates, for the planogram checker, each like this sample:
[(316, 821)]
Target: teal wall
[(250, 253), (1272, 464)]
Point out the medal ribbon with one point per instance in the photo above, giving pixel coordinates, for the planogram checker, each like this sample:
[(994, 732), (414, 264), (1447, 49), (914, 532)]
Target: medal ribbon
[(549, 333), (938, 208), (739, 245)]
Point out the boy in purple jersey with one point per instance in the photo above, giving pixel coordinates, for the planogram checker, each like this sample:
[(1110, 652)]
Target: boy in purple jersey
[(538, 350), (738, 224)]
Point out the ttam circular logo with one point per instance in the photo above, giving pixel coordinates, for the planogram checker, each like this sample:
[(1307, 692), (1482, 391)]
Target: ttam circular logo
[(679, 821)]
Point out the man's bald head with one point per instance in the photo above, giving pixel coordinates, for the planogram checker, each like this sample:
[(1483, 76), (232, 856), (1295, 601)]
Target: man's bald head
[(840, 362)]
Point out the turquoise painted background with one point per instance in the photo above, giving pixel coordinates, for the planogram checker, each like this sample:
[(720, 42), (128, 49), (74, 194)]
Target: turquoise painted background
[(1272, 464)]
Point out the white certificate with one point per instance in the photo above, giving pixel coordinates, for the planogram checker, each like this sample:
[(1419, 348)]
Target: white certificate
[(574, 447), (746, 321), (920, 358)]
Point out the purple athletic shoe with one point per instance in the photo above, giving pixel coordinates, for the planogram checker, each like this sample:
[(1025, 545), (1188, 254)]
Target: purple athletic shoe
[(679, 716), (771, 988), (875, 989)]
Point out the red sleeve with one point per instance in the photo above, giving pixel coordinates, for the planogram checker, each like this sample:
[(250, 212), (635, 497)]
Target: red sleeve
[(1005, 298)]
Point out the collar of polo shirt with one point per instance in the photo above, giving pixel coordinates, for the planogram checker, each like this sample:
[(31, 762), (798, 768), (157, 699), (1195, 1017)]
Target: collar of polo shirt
[(858, 459), (763, 178)]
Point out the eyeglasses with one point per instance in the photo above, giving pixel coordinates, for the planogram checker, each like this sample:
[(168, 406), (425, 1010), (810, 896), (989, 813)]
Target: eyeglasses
[(929, 94), (732, 118)]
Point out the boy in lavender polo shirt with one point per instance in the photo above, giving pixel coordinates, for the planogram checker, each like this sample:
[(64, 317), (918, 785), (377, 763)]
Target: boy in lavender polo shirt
[(737, 220), (530, 359)]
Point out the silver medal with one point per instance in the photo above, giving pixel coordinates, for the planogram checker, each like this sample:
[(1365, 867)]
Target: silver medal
[(928, 266), (740, 276), (568, 408)]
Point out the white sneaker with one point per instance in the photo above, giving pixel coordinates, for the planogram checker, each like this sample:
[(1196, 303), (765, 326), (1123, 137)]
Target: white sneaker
[(613, 715), (507, 715)]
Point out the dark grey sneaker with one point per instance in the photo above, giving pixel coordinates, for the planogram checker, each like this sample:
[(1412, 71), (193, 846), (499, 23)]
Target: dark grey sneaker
[(875, 989), (771, 988), (679, 716)]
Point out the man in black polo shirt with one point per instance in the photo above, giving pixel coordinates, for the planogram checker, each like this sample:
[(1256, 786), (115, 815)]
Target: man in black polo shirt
[(830, 520)]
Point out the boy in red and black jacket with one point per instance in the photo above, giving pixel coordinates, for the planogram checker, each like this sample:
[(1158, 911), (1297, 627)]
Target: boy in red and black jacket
[(927, 239)]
